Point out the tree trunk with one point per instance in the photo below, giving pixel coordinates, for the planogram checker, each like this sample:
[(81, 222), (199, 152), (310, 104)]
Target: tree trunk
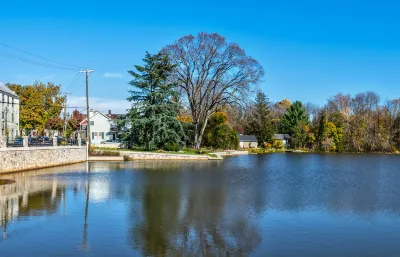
[(196, 137), (202, 132)]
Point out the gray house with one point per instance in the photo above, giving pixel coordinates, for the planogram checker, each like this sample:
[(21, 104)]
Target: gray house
[(247, 141), (284, 138)]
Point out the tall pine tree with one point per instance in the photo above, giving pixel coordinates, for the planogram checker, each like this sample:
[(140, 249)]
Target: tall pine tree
[(295, 123), (260, 120), (154, 125)]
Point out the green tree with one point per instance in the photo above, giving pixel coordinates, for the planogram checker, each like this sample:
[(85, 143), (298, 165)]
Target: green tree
[(154, 125), (260, 120), (322, 130), (218, 134), (295, 123)]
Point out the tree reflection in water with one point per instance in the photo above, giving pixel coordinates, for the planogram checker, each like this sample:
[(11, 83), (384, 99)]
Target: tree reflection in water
[(177, 214)]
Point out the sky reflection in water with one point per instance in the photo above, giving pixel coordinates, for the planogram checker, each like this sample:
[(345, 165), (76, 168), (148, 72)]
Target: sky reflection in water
[(280, 204)]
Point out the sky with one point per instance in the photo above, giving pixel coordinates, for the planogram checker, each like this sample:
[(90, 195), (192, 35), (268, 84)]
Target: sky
[(310, 50)]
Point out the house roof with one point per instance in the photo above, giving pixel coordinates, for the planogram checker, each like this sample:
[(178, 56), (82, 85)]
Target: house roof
[(247, 138), (281, 136), (8, 91), (83, 122), (115, 116)]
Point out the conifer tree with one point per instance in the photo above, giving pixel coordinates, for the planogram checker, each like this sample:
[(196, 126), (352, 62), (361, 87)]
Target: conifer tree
[(154, 125), (260, 120)]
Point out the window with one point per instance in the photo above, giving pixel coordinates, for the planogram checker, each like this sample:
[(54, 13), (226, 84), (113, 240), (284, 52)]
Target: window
[(92, 135), (12, 102), (2, 115), (91, 123), (12, 117), (102, 135), (2, 99)]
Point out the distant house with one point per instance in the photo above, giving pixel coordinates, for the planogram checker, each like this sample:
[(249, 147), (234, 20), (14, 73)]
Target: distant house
[(247, 141), (284, 138), (100, 127), (9, 110)]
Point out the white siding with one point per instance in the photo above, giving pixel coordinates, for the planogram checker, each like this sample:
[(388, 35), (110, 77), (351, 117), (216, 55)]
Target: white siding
[(100, 130), (9, 115)]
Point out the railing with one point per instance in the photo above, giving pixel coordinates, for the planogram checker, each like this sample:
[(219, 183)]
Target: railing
[(66, 142), (38, 142), (14, 142)]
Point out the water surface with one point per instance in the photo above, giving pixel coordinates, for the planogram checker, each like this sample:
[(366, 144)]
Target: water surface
[(256, 205)]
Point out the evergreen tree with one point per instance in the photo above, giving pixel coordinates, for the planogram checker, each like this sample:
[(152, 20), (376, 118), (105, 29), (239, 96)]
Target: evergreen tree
[(218, 134), (322, 130), (294, 115), (153, 115), (260, 120), (295, 123)]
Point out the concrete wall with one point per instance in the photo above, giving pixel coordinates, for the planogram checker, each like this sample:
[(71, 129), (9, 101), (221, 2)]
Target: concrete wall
[(24, 158)]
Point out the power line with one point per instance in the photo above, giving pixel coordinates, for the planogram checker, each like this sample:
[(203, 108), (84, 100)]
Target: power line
[(21, 59), (75, 80), (43, 105), (37, 56)]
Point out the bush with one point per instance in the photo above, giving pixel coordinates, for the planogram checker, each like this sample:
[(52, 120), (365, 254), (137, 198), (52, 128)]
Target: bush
[(278, 145), (267, 146), (256, 150), (172, 146)]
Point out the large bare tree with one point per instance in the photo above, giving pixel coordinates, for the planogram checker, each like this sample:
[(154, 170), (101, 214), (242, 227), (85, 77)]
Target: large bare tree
[(211, 73)]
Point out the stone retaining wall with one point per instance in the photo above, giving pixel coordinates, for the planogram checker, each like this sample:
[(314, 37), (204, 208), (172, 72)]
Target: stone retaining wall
[(161, 156), (24, 158)]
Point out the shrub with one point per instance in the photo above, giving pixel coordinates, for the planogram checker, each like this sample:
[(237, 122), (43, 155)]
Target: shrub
[(172, 146), (278, 145), (257, 150), (267, 146)]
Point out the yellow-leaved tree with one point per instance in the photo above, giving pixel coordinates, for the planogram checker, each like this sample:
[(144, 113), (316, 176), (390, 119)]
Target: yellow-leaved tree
[(39, 103)]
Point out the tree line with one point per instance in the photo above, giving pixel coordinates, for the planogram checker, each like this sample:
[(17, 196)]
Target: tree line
[(197, 92), (202, 91)]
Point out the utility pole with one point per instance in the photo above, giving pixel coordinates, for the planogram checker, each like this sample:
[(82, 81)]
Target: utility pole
[(87, 106), (65, 115)]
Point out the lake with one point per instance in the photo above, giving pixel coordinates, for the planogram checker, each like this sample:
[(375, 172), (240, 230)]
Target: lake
[(256, 205)]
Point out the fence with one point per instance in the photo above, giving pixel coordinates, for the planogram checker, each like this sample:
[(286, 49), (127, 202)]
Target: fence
[(39, 142), (14, 142)]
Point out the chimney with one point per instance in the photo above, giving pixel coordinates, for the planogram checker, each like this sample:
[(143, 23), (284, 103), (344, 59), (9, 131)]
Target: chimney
[(109, 112)]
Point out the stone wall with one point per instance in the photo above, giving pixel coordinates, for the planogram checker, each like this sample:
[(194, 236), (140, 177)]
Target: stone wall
[(161, 156), (24, 158)]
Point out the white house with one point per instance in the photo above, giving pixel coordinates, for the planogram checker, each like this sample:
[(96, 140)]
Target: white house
[(9, 109), (100, 127), (247, 141)]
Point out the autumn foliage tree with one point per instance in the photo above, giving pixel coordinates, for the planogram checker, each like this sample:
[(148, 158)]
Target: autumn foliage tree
[(211, 72), (39, 103)]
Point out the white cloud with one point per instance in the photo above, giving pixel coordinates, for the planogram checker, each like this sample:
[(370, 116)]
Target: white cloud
[(117, 75), (100, 104)]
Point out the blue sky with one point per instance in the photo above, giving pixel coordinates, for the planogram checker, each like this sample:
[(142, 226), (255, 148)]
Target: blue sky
[(310, 50)]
